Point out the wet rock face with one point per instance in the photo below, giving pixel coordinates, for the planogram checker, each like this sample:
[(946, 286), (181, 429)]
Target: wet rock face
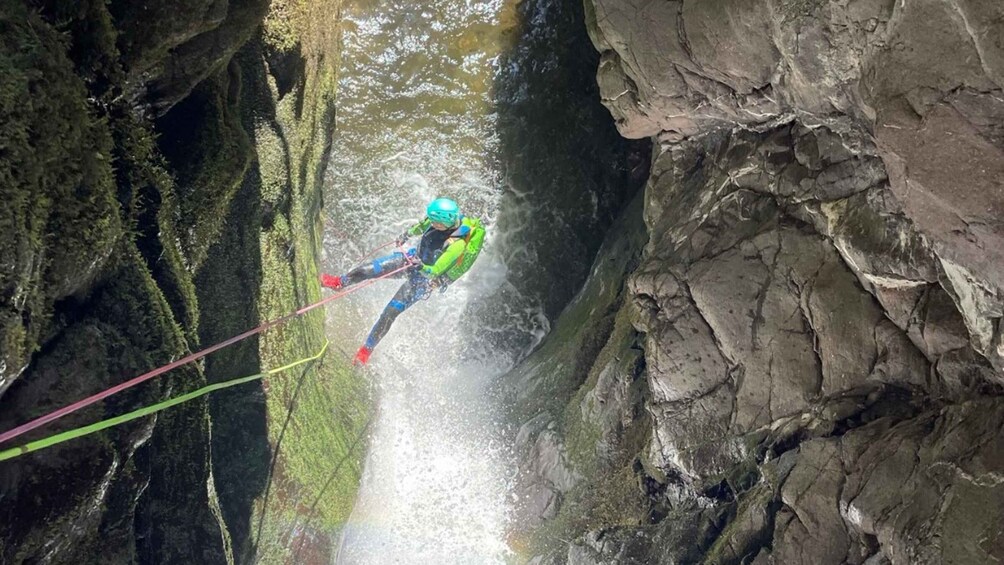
[(896, 486), (567, 172), (97, 284), (547, 473), (779, 304), (921, 79), (170, 47), (819, 303)]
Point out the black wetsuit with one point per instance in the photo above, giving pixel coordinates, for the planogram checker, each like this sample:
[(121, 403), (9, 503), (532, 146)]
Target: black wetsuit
[(416, 287)]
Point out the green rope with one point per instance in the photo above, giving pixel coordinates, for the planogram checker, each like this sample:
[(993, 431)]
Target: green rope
[(105, 424)]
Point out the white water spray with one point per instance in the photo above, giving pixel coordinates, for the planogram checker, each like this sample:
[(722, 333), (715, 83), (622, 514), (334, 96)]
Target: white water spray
[(415, 123)]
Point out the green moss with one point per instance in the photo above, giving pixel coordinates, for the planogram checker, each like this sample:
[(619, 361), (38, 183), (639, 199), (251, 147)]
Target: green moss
[(333, 405), (94, 38), (147, 191), (615, 499), (59, 212), (86, 190), (750, 528), (126, 328), (610, 493), (582, 436), (263, 266), (563, 361), (130, 298), (273, 155), (594, 333), (206, 144), (330, 413), (281, 26), (177, 500), (149, 29), (293, 139), (116, 221), (12, 341), (214, 506)]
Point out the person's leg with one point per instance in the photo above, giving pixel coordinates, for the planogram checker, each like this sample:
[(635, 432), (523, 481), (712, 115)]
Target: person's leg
[(368, 270), (413, 290)]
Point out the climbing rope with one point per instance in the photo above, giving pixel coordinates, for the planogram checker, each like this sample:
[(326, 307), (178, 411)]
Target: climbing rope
[(252, 543), (324, 489), (69, 409), (251, 548), (146, 411)]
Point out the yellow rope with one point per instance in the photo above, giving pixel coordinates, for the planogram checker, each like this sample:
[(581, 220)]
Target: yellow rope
[(146, 411)]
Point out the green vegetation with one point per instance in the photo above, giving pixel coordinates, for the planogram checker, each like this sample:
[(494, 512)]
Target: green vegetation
[(283, 25), (147, 192), (617, 501), (133, 239), (210, 152), (92, 34), (616, 498), (749, 525), (593, 335), (321, 449), (582, 435), (59, 217), (96, 277), (148, 30), (331, 408), (179, 506)]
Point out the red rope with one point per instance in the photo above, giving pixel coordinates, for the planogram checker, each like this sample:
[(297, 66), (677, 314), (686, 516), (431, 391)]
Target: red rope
[(42, 420)]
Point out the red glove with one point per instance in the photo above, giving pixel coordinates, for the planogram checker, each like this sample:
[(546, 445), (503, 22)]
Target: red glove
[(331, 282)]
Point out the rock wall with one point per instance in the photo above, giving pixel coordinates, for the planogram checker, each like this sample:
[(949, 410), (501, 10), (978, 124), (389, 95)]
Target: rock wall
[(810, 362), (167, 48), (98, 272), (919, 82), (567, 174)]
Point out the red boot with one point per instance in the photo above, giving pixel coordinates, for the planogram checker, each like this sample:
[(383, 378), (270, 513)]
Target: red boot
[(362, 356), (331, 282)]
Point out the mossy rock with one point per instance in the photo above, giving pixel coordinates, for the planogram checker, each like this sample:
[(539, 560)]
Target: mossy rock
[(748, 530), (149, 30), (204, 142), (56, 182), (124, 328), (147, 192), (110, 225), (171, 47), (92, 33)]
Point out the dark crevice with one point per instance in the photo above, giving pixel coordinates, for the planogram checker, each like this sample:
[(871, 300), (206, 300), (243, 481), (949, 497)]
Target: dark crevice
[(720, 492), (288, 68), (240, 449), (871, 544), (896, 404)]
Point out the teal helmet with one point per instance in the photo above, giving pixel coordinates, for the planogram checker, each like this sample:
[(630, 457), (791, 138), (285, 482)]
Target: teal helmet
[(443, 211)]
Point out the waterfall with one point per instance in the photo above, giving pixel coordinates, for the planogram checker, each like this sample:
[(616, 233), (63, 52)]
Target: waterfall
[(415, 121)]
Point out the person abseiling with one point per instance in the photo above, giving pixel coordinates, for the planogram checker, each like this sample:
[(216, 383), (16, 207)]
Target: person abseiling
[(450, 244)]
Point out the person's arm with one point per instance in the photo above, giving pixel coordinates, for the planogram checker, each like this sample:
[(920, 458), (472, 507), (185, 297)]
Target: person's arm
[(420, 227), (413, 231)]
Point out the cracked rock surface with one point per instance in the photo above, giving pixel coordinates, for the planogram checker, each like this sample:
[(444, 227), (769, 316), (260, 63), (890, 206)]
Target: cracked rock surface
[(806, 361)]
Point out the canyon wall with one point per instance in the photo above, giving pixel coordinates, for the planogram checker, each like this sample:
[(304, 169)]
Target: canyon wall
[(805, 363)]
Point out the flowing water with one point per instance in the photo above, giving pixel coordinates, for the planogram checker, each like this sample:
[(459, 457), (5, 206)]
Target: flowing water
[(415, 122), (446, 97)]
